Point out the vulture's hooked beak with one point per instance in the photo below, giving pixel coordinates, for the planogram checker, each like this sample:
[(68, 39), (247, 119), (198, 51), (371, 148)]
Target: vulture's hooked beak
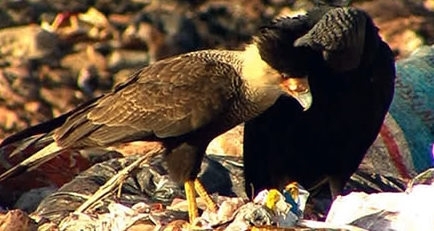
[(299, 89)]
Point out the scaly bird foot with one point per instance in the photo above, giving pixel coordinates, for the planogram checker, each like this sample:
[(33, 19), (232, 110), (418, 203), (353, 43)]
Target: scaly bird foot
[(190, 195), (191, 187), (204, 195)]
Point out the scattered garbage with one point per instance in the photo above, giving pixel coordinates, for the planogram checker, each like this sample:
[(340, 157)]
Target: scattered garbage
[(287, 206), (395, 211)]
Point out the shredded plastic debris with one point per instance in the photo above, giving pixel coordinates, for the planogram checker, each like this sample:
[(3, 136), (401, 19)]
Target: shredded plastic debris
[(409, 210), (287, 206)]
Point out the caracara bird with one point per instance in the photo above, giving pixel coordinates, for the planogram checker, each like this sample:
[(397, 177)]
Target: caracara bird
[(352, 86), (183, 102)]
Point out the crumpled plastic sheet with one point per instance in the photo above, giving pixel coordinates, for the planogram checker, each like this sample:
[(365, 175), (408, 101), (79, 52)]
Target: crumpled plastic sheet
[(149, 184), (119, 217), (394, 211), (149, 197)]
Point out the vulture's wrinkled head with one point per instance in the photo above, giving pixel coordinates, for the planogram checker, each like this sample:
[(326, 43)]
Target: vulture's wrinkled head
[(276, 46)]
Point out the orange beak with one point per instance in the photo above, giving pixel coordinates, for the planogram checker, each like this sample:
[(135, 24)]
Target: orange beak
[(299, 89)]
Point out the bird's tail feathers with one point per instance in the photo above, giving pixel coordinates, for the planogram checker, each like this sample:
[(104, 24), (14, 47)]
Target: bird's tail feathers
[(35, 131), (33, 161), (23, 148), (35, 139), (30, 144), (45, 127)]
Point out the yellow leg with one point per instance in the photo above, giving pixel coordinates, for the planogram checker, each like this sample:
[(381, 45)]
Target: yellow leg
[(204, 195), (191, 200)]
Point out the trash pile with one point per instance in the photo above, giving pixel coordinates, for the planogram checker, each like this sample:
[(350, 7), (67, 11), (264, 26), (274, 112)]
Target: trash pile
[(150, 201), (409, 210)]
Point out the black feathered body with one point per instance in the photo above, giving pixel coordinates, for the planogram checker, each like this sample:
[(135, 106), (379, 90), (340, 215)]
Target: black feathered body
[(329, 140)]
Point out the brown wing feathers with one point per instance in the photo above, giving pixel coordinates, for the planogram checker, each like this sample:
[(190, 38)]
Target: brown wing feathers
[(169, 98)]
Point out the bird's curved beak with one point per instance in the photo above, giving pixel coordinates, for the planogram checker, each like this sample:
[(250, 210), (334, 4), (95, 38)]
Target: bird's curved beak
[(299, 89)]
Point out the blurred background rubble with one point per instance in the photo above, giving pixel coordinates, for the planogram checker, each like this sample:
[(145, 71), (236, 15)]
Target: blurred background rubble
[(57, 54)]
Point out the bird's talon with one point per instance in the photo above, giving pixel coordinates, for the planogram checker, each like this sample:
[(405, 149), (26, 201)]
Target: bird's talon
[(210, 204)]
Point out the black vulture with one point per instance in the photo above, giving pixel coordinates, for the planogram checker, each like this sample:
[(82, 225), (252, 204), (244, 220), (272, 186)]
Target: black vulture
[(352, 87)]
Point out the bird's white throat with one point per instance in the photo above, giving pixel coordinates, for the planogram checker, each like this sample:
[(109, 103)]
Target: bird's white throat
[(262, 80)]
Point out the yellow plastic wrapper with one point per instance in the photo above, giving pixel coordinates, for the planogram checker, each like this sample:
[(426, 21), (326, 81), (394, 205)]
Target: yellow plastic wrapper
[(287, 206)]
